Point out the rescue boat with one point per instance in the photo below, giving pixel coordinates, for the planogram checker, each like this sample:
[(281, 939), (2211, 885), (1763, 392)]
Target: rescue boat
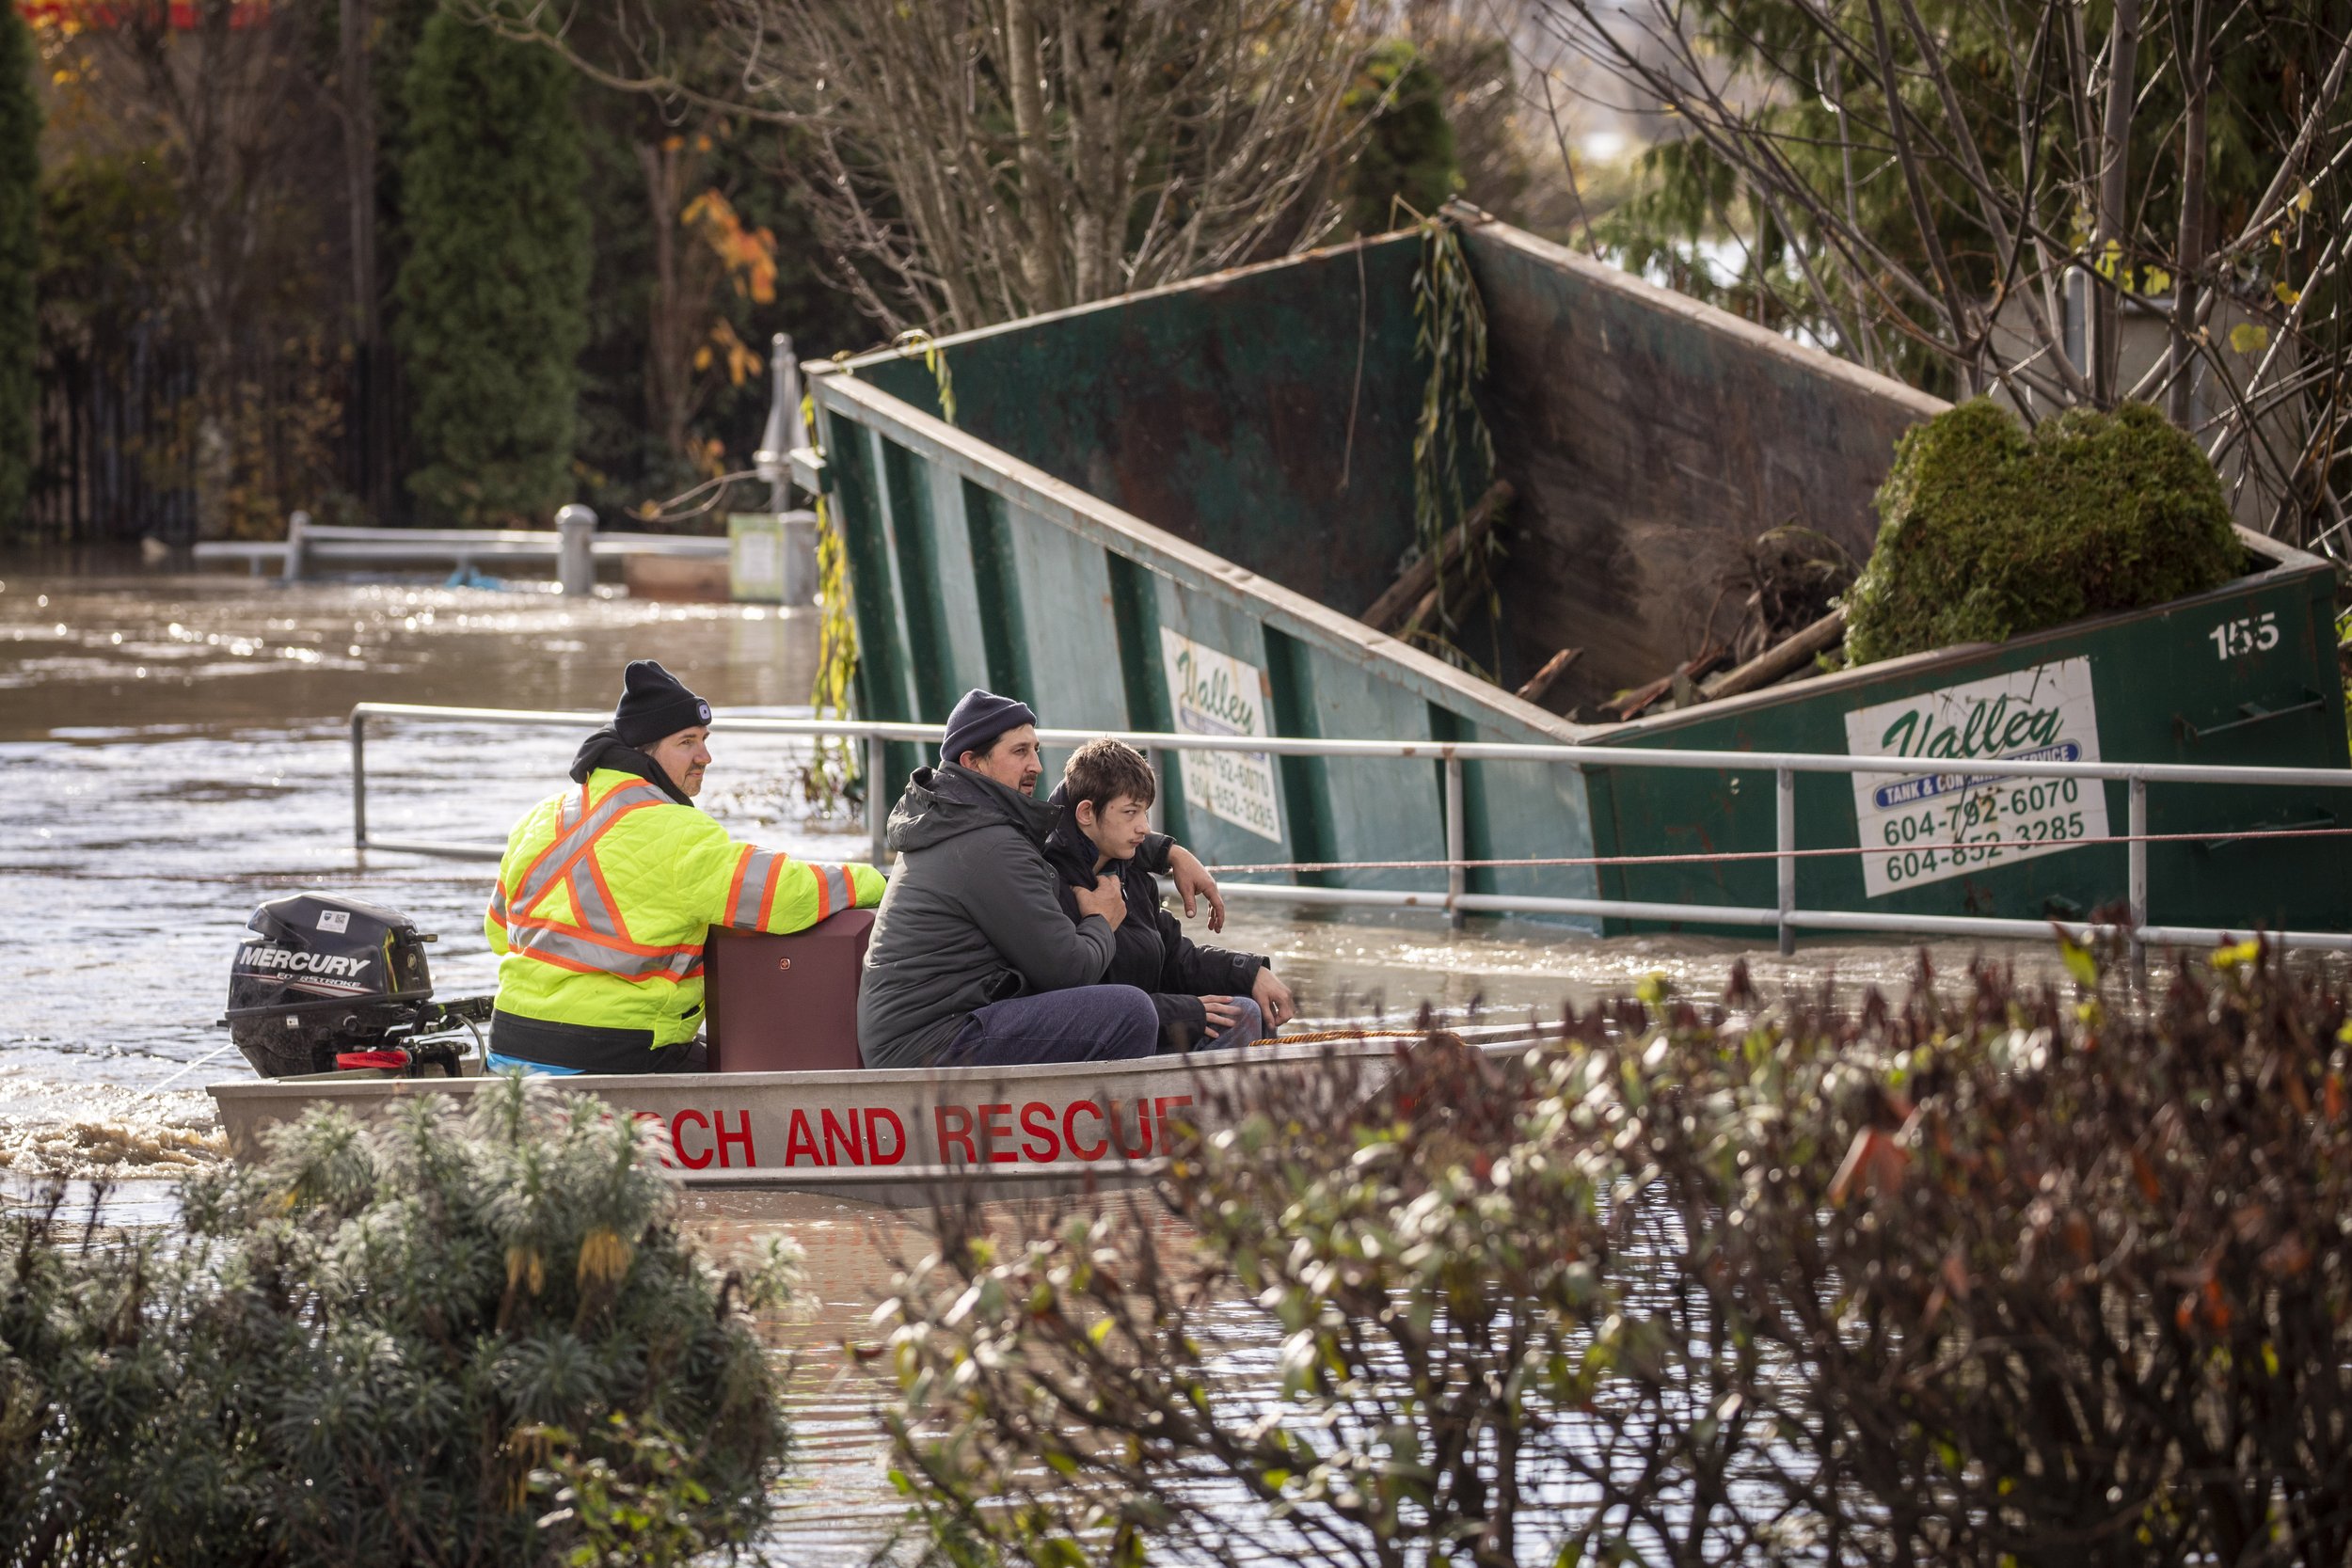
[(330, 1000)]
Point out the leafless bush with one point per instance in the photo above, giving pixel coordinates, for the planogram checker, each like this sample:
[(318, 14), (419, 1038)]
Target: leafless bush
[(2006, 1276)]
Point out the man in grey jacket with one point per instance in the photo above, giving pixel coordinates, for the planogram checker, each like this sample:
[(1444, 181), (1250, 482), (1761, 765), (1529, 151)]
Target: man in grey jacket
[(973, 959)]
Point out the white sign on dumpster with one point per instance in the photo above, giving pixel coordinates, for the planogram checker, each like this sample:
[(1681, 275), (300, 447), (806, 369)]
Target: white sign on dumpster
[(1948, 822), (1214, 693)]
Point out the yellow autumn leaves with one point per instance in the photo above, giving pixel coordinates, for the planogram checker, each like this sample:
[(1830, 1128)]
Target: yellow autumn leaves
[(750, 257)]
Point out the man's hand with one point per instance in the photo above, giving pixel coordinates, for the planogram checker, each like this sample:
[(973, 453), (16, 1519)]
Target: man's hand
[(1106, 898), (1274, 999), (1222, 1014), (1192, 880)]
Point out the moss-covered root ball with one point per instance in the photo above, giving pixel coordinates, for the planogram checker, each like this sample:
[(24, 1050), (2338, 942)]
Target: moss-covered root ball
[(1987, 530)]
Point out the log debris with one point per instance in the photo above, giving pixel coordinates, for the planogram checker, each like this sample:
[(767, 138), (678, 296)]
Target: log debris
[(1630, 704), (1412, 596), (1540, 682), (1782, 660)]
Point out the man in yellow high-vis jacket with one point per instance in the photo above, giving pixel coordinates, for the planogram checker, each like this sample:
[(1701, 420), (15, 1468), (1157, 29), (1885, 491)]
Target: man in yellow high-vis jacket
[(607, 893)]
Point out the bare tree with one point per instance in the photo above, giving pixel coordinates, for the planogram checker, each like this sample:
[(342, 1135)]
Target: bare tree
[(978, 160), (1986, 195), (698, 242), (993, 158), (222, 96)]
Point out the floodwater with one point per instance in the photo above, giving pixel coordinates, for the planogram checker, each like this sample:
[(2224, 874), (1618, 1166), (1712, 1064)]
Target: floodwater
[(174, 750)]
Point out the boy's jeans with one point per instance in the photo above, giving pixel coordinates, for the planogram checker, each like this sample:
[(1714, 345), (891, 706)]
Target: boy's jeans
[(1084, 1024), (1248, 1029)]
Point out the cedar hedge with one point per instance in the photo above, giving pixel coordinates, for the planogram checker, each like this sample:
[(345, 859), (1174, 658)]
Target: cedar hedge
[(493, 295)]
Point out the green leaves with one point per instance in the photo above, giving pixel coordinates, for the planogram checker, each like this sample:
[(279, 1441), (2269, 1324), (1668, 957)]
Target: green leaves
[(1454, 455), (371, 1346)]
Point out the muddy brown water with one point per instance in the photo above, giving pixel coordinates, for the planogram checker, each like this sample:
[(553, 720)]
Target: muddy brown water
[(173, 751)]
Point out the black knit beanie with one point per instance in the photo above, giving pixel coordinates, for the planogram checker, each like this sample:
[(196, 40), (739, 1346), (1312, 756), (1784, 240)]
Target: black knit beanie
[(979, 719), (654, 703)]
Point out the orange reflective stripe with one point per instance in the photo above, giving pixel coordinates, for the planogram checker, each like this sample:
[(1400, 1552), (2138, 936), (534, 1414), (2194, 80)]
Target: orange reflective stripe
[(619, 926), (753, 890), (579, 832), (767, 891), (567, 950), (734, 904), (611, 944), (565, 816), (597, 939)]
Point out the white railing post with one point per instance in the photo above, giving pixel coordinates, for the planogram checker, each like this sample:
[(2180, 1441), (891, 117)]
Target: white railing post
[(2135, 857), (297, 525), (1456, 873), (1784, 853), (877, 797), (783, 429), (575, 552), (358, 779)]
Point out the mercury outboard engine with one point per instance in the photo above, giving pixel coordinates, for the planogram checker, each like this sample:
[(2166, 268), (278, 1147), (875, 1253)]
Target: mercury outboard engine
[(329, 982)]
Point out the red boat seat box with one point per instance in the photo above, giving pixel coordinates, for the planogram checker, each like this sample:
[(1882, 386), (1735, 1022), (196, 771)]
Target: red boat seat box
[(786, 1003)]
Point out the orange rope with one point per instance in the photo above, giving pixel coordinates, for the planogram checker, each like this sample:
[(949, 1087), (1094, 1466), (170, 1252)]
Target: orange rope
[(1793, 854), (1321, 1036)]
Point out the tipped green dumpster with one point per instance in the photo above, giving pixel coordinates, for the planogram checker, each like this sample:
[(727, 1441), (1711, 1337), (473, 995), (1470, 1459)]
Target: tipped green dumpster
[(1170, 512)]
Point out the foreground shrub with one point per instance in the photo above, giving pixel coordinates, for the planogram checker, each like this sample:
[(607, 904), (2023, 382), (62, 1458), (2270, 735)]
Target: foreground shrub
[(361, 1350), (2000, 1277), (1988, 531)]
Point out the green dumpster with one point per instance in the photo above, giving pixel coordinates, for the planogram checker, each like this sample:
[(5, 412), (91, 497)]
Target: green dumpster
[(1165, 512)]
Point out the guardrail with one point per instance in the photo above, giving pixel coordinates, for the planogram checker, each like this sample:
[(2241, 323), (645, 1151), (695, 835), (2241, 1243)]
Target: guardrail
[(1784, 917), (573, 546)]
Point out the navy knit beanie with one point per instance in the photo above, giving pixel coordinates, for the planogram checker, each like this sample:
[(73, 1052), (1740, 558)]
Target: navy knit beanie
[(654, 703), (978, 720)]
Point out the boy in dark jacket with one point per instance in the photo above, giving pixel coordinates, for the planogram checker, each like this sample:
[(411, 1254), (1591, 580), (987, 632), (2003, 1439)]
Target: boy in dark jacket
[(1206, 996)]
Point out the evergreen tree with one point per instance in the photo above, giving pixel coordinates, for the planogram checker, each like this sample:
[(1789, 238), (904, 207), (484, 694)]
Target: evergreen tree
[(493, 291), (1408, 149), (20, 262)]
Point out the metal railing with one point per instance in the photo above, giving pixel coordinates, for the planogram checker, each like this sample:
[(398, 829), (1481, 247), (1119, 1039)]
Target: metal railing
[(1783, 918), (573, 546)]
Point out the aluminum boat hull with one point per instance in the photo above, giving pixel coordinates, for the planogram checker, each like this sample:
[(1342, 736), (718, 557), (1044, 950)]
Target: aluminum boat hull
[(899, 1137)]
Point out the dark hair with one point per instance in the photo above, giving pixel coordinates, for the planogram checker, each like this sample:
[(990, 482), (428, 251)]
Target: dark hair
[(1103, 771)]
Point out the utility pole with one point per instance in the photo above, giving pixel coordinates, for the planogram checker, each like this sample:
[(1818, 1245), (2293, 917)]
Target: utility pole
[(786, 429)]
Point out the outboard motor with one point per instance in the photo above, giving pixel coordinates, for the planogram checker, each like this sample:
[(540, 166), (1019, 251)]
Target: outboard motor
[(327, 982)]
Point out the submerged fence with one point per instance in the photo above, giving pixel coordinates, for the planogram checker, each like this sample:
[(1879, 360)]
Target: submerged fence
[(116, 434), (1784, 917)]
